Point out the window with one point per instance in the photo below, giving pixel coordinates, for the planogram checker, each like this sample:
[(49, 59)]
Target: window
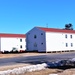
[(35, 45), (41, 33), (20, 40), (13, 48), (35, 36), (71, 44), (71, 36), (41, 43), (65, 36), (66, 44), (20, 46)]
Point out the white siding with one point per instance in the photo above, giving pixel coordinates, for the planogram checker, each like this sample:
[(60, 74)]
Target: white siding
[(9, 43), (0, 44), (37, 43), (57, 41), (23, 43)]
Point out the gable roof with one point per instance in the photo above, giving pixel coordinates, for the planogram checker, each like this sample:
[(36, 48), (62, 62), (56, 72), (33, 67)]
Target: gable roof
[(56, 30), (12, 35)]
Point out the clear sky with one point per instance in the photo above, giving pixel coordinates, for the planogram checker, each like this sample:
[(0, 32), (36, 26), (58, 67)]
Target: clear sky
[(19, 16)]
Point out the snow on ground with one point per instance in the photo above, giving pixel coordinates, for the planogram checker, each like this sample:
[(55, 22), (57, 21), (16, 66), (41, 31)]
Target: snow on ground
[(73, 59), (22, 70)]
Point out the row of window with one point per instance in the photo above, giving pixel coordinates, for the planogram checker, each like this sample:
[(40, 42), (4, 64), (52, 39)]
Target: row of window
[(42, 34), (20, 46), (67, 36), (35, 45), (36, 36), (20, 40), (70, 44)]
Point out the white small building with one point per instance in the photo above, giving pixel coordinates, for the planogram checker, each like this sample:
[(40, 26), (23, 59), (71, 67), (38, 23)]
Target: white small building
[(12, 42), (50, 39)]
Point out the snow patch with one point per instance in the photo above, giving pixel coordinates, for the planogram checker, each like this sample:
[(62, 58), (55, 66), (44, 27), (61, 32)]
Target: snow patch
[(73, 59), (22, 70)]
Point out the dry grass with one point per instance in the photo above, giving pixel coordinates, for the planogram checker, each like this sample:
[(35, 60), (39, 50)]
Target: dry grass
[(25, 54), (44, 72), (68, 72), (19, 55)]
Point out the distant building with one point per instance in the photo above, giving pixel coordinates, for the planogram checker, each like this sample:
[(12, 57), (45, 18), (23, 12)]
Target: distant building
[(12, 42), (50, 39)]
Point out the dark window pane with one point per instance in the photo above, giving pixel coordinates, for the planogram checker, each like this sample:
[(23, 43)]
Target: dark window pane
[(41, 33), (20, 46), (70, 36), (71, 44), (20, 40), (65, 36), (42, 43), (66, 44), (35, 36)]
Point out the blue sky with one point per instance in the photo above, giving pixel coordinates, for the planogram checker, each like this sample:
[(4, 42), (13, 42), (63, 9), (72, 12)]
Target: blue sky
[(19, 16)]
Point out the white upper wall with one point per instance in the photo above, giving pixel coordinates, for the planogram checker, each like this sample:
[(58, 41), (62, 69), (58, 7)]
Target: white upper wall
[(9, 43), (57, 41), (23, 43)]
